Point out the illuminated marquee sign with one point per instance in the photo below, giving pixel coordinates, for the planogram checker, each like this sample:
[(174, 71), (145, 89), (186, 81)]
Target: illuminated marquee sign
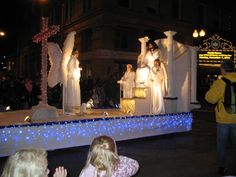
[(214, 50), (214, 57)]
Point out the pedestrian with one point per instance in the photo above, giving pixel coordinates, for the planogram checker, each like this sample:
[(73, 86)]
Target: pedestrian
[(226, 121)]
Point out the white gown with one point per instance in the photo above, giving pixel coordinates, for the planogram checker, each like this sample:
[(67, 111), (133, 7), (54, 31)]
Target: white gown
[(72, 96), (142, 77), (128, 83), (149, 60), (156, 82), (150, 57)]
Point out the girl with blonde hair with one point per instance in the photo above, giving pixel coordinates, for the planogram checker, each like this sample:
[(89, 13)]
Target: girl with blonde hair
[(30, 163), (104, 161)]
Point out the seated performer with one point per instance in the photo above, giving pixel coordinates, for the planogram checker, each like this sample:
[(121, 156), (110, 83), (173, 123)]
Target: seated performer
[(142, 76), (128, 82)]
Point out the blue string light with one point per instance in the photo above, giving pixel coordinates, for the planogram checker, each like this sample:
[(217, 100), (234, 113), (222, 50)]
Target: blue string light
[(71, 132)]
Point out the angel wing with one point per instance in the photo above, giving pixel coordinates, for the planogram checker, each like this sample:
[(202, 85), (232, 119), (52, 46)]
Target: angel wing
[(66, 55), (55, 57)]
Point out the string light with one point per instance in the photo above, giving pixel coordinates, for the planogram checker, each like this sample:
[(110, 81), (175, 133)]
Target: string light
[(56, 135)]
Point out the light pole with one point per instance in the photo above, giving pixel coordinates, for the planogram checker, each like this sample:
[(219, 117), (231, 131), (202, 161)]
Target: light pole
[(197, 35), (2, 33)]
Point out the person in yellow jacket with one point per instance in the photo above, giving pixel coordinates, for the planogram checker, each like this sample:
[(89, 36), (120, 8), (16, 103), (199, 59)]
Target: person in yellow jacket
[(226, 122)]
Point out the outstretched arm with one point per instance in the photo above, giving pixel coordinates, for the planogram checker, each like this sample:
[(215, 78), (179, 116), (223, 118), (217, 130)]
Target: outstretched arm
[(126, 167)]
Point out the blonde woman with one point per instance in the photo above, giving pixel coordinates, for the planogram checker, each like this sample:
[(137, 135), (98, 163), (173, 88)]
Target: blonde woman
[(30, 163), (103, 160)]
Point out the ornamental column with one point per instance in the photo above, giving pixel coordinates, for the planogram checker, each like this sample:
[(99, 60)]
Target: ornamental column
[(193, 95), (170, 59)]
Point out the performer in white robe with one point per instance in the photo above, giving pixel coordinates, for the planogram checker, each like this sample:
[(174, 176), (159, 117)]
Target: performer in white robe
[(142, 76), (152, 53), (128, 82), (72, 98), (156, 81), (65, 70)]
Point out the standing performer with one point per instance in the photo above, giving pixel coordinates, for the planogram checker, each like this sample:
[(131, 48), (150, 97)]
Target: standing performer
[(153, 53), (72, 98), (128, 82), (65, 69), (157, 78)]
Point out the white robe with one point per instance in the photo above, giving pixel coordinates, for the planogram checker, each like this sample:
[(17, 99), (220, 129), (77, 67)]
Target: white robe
[(142, 77), (156, 82), (128, 83), (150, 57), (149, 60), (72, 96)]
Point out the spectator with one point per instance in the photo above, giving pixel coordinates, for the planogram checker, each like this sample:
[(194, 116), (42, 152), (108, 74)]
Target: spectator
[(103, 160), (226, 122), (30, 163)]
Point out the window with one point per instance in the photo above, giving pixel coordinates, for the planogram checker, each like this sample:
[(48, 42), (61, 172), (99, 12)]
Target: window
[(72, 8), (177, 9), (67, 11), (87, 4), (124, 3), (202, 13), (153, 7), (86, 40), (124, 39)]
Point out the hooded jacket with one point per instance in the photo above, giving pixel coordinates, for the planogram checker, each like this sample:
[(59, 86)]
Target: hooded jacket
[(215, 95)]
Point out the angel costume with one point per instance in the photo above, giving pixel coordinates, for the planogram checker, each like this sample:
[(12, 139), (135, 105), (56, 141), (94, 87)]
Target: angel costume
[(150, 57), (142, 76), (128, 83), (72, 97), (65, 69), (157, 93)]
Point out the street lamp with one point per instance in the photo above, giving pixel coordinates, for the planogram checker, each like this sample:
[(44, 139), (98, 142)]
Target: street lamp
[(201, 33), (2, 33), (198, 35)]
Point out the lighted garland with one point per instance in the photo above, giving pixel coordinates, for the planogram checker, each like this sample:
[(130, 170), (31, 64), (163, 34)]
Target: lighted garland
[(52, 30), (63, 134)]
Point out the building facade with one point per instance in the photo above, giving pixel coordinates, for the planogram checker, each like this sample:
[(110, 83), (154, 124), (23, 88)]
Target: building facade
[(107, 31)]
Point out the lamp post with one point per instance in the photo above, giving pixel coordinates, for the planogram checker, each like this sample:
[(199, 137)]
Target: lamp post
[(198, 34), (2, 33)]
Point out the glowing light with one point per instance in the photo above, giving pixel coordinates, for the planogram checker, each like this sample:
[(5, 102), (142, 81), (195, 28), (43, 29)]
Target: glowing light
[(27, 119), (202, 33), (2, 33), (63, 134), (195, 33)]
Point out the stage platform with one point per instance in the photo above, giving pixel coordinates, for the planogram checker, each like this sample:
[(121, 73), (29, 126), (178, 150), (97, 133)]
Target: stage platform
[(78, 130)]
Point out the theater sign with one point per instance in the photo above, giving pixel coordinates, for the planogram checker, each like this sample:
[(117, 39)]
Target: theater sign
[(214, 50)]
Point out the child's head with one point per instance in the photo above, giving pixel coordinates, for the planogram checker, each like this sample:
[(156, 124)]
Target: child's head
[(103, 154), (27, 163)]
